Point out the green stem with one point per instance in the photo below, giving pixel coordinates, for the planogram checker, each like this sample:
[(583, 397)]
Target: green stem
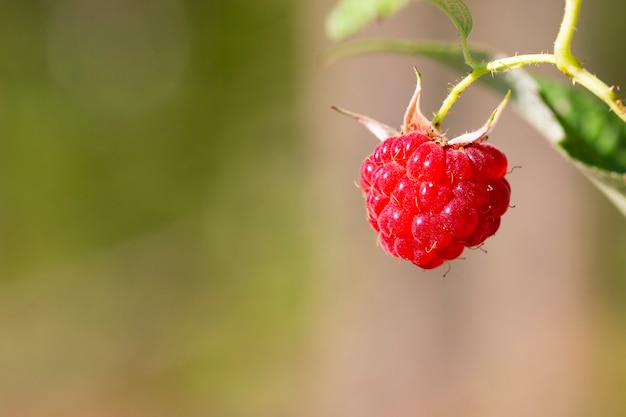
[(454, 94), (467, 56), (563, 58), (567, 63), (563, 42), (518, 61), (498, 65)]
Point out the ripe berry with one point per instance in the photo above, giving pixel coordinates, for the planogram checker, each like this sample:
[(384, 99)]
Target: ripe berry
[(427, 205), (429, 197)]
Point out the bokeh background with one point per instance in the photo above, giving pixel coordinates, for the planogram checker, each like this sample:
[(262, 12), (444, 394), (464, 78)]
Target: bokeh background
[(180, 234)]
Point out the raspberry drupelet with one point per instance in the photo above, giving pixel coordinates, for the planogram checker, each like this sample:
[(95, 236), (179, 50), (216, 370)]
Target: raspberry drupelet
[(428, 197)]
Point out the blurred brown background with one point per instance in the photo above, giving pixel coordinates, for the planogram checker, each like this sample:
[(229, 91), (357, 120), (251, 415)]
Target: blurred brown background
[(180, 234)]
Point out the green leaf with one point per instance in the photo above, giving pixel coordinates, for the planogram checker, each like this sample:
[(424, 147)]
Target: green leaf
[(460, 15), (594, 135), (350, 16), (458, 12), (448, 53)]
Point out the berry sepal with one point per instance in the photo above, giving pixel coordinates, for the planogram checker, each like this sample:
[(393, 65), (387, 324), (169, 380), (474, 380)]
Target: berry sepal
[(415, 121), (379, 129)]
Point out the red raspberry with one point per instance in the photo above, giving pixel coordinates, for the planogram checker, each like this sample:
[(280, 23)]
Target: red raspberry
[(428, 197), (431, 202)]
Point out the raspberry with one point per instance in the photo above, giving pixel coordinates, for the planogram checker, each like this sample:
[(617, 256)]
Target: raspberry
[(429, 197), (432, 202)]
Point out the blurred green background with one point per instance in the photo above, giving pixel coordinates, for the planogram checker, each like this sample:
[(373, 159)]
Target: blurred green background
[(157, 252), (152, 259)]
